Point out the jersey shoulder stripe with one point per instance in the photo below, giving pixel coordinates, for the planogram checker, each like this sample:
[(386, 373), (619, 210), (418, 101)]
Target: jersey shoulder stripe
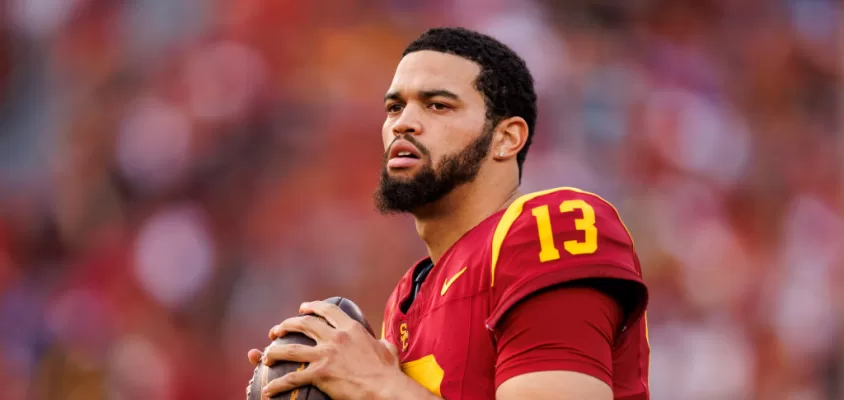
[(515, 210)]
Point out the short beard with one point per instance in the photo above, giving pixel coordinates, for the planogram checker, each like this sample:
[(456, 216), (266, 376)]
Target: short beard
[(395, 196)]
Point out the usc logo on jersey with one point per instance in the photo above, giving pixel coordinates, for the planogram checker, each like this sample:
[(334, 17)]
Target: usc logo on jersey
[(403, 336)]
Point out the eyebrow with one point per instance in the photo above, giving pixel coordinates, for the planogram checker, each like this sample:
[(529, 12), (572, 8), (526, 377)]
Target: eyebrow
[(425, 94)]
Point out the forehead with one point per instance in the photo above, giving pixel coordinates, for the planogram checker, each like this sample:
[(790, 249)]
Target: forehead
[(426, 70)]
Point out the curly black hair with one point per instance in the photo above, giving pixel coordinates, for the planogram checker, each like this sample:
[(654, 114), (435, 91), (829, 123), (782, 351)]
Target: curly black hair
[(504, 80)]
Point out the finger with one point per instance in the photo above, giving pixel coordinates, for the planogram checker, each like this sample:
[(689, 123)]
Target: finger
[(287, 382), (312, 327), (254, 356), (333, 314), (286, 327), (290, 352)]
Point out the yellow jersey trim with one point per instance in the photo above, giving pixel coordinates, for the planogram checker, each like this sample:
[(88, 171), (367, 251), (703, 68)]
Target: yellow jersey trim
[(426, 372)]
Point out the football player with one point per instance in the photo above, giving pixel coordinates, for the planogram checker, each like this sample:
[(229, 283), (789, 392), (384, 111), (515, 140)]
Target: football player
[(522, 295)]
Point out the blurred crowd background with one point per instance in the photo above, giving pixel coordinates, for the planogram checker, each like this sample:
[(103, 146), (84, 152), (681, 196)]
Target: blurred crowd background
[(177, 176)]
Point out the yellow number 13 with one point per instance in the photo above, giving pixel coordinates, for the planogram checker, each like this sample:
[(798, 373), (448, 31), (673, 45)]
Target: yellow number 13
[(586, 224)]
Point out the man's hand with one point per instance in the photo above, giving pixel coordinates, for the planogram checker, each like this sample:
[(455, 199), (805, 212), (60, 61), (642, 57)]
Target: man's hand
[(346, 363)]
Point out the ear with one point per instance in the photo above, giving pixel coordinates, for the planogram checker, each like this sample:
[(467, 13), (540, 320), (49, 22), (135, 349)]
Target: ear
[(511, 134)]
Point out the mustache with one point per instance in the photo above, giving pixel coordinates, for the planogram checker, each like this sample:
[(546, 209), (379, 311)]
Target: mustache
[(410, 139)]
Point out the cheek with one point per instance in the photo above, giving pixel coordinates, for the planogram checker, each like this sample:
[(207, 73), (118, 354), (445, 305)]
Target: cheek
[(451, 139), (441, 150)]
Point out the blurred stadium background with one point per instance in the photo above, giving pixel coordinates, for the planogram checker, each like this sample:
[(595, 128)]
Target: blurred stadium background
[(177, 176)]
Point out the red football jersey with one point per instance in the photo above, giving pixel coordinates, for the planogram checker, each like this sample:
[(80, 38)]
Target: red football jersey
[(446, 340)]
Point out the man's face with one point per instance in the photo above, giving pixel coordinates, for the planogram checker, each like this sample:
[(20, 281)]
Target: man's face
[(435, 134)]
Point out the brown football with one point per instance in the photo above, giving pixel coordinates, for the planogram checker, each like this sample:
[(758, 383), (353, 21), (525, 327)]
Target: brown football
[(264, 374)]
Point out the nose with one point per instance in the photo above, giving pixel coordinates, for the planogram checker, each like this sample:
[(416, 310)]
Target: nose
[(407, 124)]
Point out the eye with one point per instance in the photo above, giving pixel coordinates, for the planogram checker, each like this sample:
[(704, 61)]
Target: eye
[(439, 106), (393, 108)]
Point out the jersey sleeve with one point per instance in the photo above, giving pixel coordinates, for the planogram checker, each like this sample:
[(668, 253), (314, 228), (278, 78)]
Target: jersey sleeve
[(539, 336), (563, 235)]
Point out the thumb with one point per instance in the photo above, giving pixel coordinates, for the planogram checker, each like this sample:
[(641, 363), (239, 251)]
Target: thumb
[(254, 356)]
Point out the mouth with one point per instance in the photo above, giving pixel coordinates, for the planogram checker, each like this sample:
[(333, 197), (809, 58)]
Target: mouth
[(404, 149), (403, 155)]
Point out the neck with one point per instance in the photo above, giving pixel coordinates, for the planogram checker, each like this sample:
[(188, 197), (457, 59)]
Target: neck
[(440, 225)]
